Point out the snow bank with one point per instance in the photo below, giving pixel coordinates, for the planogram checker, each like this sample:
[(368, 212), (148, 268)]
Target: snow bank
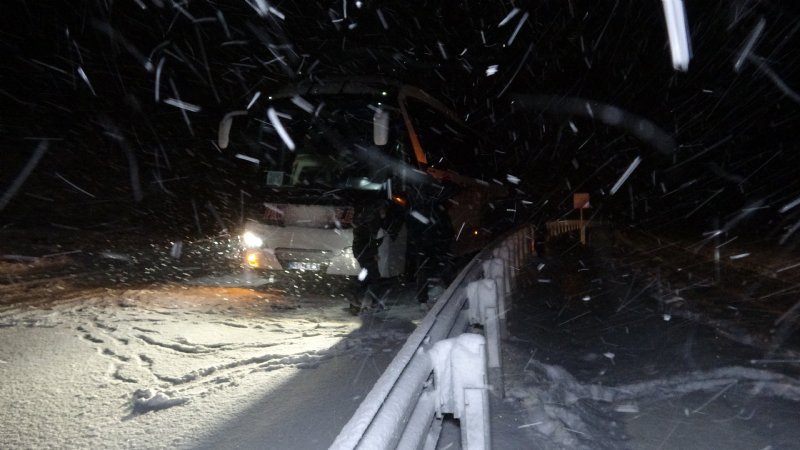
[(570, 414)]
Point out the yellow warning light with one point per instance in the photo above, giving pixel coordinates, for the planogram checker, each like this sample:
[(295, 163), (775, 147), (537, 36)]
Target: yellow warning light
[(475, 232)]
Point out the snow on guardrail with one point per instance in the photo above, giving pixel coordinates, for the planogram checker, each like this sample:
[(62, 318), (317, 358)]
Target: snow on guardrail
[(441, 369)]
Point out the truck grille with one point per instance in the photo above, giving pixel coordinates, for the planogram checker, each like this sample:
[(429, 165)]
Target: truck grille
[(292, 255), (312, 216)]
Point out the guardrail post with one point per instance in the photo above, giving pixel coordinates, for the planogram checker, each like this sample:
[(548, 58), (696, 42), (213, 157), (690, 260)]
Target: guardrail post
[(495, 269), (501, 252), (459, 371), (476, 432), (532, 245), (483, 299), (513, 263), (504, 252), (483, 309)]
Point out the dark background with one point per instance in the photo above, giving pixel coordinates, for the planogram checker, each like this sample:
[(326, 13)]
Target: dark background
[(142, 164)]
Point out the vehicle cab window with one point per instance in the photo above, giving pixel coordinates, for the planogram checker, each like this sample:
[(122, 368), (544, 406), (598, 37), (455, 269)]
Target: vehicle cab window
[(349, 146)]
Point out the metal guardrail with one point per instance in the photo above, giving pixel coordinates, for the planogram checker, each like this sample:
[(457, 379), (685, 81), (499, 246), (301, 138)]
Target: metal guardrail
[(441, 369), (558, 227)]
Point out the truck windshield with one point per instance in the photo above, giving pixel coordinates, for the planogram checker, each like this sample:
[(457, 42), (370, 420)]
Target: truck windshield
[(338, 143)]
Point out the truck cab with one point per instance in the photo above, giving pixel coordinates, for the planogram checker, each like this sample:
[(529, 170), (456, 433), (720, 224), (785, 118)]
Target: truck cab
[(332, 153)]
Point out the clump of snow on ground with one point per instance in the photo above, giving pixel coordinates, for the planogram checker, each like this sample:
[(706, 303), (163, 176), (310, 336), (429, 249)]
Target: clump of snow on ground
[(145, 401)]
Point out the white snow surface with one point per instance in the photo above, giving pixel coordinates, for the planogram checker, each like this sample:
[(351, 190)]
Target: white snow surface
[(188, 366), (230, 363)]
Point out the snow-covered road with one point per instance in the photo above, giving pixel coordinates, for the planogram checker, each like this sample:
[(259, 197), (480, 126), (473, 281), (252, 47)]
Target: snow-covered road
[(209, 364)]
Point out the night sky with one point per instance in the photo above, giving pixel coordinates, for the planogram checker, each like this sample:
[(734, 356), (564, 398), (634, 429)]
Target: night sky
[(88, 92)]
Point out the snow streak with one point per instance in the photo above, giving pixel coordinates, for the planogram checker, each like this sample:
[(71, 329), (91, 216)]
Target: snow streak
[(678, 30), (24, 174), (182, 105), (624, 177), (273, 118)]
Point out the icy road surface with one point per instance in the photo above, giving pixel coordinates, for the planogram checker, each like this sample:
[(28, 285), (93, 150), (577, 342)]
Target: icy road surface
[(216, 363)]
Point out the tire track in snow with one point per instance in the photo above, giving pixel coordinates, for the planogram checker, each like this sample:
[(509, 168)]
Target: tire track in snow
[(153, 353), (178, 347)]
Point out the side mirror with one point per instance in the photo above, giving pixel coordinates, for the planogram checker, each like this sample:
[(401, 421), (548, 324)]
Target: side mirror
[(223, 136), (380, 127)]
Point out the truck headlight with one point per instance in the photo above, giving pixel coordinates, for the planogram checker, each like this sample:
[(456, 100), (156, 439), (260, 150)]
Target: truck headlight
[(251, 240)]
